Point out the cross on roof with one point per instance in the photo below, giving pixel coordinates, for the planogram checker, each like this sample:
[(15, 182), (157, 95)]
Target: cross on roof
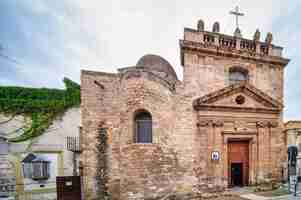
[(237, 14)]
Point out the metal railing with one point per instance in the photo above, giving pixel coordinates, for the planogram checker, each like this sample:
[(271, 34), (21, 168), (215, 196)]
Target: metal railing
[(73, 144)]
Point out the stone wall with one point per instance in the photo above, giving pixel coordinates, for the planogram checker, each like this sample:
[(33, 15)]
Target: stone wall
[(99, 110), (118, 101), (179, 159), (205, 73)]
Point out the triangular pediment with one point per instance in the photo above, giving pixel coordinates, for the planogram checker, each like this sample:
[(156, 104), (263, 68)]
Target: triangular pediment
[(238, 97)]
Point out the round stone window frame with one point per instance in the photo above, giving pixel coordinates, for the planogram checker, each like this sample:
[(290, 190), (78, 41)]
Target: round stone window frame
[(240, 99)]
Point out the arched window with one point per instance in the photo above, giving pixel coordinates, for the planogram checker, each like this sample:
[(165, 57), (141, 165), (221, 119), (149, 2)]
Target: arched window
[(237, 75), (143, 127)]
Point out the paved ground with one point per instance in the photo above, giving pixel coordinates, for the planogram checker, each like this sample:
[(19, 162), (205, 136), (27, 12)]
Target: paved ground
[(254, 197), (289, 197), (248, 194), (257, 197)]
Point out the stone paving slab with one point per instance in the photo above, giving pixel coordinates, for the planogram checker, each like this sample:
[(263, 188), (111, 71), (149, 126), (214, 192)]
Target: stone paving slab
[(254, 197), (287, 197), (257, 197)]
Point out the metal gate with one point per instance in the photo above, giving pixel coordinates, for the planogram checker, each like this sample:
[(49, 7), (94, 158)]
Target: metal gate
[(68, 187)]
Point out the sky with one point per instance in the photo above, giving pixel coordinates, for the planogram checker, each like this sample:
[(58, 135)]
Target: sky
[(45, 41)]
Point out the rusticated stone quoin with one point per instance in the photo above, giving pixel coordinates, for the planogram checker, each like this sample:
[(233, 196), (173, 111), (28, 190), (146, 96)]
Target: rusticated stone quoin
[(197, 123)]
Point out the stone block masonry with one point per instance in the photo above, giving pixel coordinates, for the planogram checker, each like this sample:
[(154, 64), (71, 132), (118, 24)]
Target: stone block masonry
[(232, 92)]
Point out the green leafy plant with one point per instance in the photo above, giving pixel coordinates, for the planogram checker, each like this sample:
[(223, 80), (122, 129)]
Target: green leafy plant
[(42, 105)]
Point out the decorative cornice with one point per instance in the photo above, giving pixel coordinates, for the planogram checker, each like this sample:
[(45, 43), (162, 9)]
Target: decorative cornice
[(267, 124), (209, 107), (205, 102), (262, 124), (203, 123), (273, 124), (213, 123), (217, 51), (217, 123), (187, 29)]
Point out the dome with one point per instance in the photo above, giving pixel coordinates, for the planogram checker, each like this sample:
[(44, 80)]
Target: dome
[(157, 63)]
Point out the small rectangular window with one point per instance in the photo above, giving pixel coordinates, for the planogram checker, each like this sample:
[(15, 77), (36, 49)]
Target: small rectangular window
[(36, 167)]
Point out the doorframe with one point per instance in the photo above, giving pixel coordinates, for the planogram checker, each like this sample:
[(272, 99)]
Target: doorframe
[(253, 155), (245, 180)]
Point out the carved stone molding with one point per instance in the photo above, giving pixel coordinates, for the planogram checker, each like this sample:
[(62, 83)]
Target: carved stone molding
[(207, 102), (262, 124), (273, 124), (203, 123), (213, 123), (217, 123), (267, 124)]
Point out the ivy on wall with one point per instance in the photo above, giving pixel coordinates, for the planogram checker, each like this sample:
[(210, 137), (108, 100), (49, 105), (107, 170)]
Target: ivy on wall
[(42, 105), (102, 164)]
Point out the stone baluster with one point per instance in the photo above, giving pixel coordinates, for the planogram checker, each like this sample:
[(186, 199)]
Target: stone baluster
[(257, 41), (268, 41), (201, 37), (238, 41), (257, 47), (270, 50), (216, 40)]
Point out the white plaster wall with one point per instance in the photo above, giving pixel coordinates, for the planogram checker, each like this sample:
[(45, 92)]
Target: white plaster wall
[(54, 139), (51, 144)]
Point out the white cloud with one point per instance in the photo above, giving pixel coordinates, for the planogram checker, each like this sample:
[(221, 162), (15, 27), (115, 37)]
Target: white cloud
[(125, 30), (106, 35)]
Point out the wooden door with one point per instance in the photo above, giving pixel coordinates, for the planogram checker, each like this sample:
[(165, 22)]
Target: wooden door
[(68, 187), (238, 154)]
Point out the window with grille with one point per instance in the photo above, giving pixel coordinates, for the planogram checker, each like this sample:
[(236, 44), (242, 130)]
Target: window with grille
[(36, 167), (238, 75), (40, 170), (143, 127)]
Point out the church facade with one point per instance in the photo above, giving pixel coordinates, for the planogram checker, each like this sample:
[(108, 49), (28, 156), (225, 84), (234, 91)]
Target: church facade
[(145, 133)]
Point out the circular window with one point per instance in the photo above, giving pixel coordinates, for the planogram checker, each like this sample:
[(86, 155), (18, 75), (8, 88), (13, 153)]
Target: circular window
[(240, 99)]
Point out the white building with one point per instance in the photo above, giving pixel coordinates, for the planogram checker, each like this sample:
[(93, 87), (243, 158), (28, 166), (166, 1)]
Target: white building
[(38, 161)]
